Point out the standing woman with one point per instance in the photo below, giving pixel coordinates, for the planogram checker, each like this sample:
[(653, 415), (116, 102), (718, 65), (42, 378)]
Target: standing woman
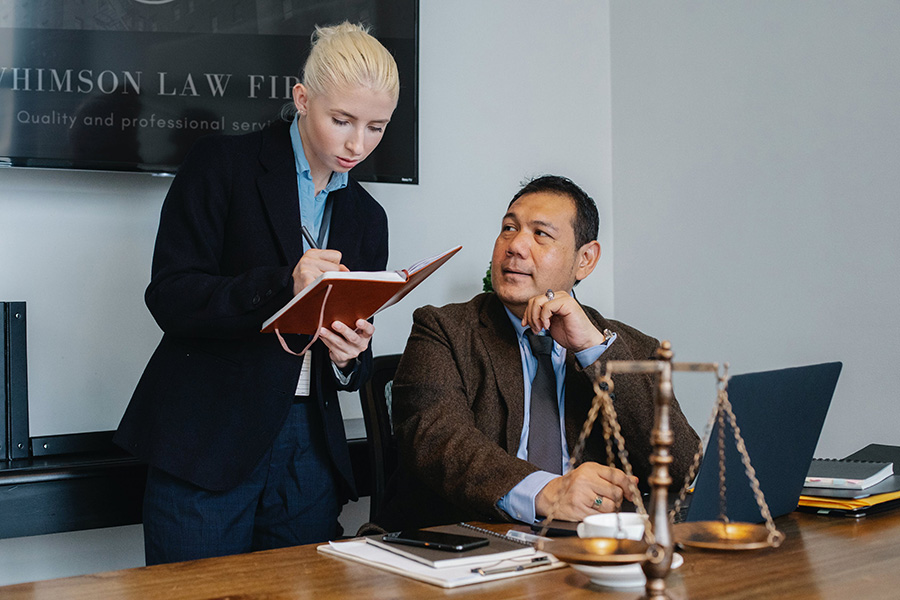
[(245, 442)]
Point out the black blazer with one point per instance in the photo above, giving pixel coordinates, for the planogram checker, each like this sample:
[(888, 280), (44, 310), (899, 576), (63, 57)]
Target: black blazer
[(216, 391)]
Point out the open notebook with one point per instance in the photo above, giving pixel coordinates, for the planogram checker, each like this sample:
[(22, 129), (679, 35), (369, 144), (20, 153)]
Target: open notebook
[(347, 296)]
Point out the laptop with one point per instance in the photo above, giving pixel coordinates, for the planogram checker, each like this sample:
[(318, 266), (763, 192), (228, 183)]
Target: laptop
[(780, 415)]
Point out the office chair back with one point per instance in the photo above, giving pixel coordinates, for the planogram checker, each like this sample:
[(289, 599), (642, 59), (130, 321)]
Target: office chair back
[(375, 397)]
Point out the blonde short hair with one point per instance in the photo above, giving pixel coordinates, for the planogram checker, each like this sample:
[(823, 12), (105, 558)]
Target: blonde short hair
[(344, 56)]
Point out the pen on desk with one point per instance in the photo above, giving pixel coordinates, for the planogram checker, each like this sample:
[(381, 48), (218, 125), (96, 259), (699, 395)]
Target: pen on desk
[(535, 562), (525, 537), (309, 237)]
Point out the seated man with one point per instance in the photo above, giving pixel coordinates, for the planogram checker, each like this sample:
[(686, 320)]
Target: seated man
[(484, 423)]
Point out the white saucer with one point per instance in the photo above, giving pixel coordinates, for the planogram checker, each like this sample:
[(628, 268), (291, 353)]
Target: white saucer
[(621, 576)]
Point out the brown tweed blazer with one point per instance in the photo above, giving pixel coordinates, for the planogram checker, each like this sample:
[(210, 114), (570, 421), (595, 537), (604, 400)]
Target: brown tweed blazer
[(458, 409)]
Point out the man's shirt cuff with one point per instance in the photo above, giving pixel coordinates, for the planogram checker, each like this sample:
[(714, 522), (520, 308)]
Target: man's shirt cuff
[(519, 501), (590, 355)]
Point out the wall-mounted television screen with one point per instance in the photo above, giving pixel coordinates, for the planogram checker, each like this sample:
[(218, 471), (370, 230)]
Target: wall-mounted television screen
[(128, 85)]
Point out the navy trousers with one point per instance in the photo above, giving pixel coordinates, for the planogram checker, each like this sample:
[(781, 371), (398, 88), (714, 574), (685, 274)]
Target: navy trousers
[(289, 499)]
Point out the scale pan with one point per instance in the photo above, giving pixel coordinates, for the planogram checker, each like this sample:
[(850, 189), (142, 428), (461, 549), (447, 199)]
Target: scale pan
[(718, 535), (595, 551)]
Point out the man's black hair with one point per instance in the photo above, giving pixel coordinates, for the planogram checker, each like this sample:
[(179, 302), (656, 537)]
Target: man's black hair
[(587, 219)]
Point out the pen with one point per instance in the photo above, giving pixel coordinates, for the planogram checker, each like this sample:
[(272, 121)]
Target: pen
[(535, 562), (525, 537), (309, 237)]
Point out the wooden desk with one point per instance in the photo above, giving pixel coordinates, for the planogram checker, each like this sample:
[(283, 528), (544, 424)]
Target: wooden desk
[(823, 557)]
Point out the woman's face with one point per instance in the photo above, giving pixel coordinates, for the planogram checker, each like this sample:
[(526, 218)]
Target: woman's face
[(340, 128)]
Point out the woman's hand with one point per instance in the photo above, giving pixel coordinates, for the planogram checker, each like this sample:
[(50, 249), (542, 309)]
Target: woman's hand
[(312, 264), (345, 344)]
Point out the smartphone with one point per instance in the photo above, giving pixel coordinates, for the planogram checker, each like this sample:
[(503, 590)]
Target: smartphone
[(436, 540)]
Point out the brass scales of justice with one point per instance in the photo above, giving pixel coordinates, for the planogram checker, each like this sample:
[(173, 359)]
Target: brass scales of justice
[(655, 550)]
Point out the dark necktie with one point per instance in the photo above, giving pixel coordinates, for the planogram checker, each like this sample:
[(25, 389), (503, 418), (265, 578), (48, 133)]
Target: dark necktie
[(544, 442)]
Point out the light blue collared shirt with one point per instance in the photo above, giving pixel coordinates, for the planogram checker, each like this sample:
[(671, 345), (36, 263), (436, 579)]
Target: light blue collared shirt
[(519, 501), (312, 206)]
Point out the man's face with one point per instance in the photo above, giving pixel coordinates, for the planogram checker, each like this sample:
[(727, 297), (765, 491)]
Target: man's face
[(535, 250)]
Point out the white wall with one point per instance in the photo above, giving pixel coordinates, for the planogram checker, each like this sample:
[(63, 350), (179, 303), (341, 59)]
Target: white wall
[(755, 153), (751, 152), (76, 247), (508, 89)]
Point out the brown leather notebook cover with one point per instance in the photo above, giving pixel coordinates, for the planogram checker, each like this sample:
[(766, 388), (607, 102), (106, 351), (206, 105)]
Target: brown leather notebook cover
[(354, 295)]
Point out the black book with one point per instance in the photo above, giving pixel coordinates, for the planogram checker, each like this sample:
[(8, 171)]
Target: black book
[(872, 452), (846, 473)]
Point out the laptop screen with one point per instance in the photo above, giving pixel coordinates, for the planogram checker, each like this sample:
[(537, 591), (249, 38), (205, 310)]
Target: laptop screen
[(780, 415)]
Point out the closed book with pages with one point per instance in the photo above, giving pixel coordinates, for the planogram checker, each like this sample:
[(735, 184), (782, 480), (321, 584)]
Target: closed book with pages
[(847, 474)]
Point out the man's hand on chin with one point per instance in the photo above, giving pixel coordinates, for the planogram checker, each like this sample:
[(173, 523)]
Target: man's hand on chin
[(561, 315)]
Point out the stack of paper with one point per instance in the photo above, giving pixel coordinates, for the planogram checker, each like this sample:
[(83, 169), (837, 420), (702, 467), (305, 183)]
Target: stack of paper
[(857, 502), (501, 559)]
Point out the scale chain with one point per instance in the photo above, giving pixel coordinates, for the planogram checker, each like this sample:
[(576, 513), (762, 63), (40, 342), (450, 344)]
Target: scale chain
[(603, 401), (723, 490), (611, 417), (611, 429), (695, 463), (775, 537)]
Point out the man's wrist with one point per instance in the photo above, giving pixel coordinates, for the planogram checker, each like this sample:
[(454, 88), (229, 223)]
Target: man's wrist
[(590, 355), (598, 339), (519, 502), (546, 497)]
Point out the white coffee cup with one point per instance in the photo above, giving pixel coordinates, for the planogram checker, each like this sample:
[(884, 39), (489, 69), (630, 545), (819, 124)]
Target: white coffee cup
[(626, 525)]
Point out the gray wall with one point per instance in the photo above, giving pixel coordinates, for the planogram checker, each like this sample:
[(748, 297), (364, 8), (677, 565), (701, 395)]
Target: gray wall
[(77, 246), (755, 186)]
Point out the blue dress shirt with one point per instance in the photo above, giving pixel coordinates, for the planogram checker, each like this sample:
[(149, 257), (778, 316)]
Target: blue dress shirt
[(519, 501), (312, 206)]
